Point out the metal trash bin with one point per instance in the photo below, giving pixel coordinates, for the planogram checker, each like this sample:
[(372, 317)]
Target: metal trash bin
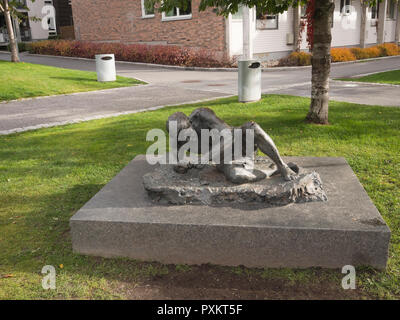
[(105, 67), (249, 80)]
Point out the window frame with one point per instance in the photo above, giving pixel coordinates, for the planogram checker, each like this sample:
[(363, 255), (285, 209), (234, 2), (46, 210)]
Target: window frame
[(269, 28), (303, 15), (164, 17), (276, 18), (376, 7), (344, 5), (144, 14), (238, 15), (389, 5)]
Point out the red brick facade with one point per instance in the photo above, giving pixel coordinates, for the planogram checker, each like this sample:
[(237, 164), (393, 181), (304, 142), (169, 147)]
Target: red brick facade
[(121, 21)]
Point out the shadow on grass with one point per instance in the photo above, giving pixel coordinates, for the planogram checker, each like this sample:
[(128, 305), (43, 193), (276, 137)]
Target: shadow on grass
[(77, 79)]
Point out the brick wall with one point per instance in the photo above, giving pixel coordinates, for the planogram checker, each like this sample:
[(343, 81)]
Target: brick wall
[(121, 21)]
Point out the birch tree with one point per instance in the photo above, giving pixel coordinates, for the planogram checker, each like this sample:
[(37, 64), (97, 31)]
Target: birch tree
[(9, 8)]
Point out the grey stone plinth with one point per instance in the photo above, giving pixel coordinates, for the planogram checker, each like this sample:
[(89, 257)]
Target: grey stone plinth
[(204, 184), (347, 229)]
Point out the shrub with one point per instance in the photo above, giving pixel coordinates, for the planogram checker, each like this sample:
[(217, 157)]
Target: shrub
[(365, 53), (388, 49), (372, 52), (296, 59), (359, 53), (342, 54), (158, 54), (22, 46)]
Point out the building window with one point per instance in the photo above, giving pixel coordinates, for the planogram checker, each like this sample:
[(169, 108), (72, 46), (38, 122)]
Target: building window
[(266, 20), (179, 13), (238, 15), (303, 12), (345, 7), (391, 10), (375, 12), (147, 12)]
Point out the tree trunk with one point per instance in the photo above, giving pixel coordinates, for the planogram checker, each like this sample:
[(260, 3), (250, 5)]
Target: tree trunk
[(297, 30), (321, 61), (10, 30), (364, 19), (397, 33)]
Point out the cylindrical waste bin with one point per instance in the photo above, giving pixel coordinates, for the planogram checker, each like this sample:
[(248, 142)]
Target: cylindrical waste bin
[(105, 67), (249, 80)]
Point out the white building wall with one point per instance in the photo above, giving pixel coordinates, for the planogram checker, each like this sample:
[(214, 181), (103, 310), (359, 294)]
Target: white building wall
[(266, 40), (371, 29), (346, 27), (390, 30), (345, 32), (236, 36), (273, 40)]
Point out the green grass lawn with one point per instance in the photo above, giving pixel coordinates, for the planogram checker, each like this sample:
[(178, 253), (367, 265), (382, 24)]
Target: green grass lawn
[(25, 80), (390, 77), (48, 174)]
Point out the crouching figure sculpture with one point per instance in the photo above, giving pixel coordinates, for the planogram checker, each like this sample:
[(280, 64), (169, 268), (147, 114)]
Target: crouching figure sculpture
[(238, 168)]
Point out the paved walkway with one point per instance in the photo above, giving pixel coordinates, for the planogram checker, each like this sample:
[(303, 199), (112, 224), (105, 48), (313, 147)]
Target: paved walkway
[(171, 87)]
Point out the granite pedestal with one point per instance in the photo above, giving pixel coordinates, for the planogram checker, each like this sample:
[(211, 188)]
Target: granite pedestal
[(122, 221)]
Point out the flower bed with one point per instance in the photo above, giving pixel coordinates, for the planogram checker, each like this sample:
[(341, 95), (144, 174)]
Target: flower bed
[(158, 54), (344, 54)]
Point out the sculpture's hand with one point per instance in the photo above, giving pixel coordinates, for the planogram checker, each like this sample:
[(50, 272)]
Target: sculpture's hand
[(287, 173)]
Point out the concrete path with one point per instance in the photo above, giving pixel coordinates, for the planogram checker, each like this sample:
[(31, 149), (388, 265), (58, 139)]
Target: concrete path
[(172, 86), (355, 92), (29, 114)]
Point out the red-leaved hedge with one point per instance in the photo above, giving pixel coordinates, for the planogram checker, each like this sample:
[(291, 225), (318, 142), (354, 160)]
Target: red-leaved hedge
[(158, 54)]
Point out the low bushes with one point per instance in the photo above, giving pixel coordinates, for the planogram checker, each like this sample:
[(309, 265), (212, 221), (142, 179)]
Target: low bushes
[(296, 59), (22, 46), (158, 54), (388, 49), (365, 53), (344, 54)]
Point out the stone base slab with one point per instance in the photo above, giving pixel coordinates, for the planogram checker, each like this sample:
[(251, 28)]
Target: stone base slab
[(122, 221), (206, 185)]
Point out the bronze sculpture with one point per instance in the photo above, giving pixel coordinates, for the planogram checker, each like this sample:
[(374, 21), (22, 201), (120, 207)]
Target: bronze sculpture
[(237, 169)]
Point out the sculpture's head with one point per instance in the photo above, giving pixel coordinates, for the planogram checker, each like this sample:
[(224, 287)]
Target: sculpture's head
[(205, 118), (182, 122)]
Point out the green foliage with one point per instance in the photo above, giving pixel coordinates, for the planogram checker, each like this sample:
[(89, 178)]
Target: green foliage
[(15, 7)]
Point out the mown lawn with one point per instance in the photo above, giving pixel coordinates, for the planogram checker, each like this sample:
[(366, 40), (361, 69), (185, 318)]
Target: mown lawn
[(26, 80), (390, 77), (48, 174)]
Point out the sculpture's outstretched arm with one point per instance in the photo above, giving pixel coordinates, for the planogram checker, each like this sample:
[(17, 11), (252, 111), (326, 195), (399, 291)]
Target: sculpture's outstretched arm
[(267, 146)]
